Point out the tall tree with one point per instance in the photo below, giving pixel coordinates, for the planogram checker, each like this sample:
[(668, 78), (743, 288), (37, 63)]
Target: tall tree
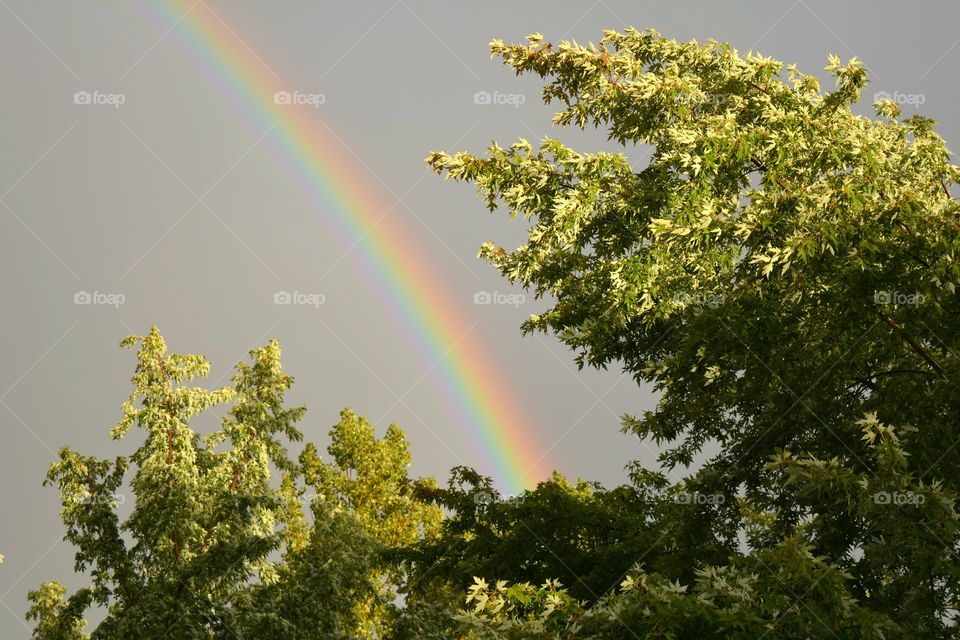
[(369, 477), (197, 557), (783, 271)]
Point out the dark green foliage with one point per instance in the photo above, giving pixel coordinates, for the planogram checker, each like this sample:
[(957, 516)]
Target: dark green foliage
[(582, 534)]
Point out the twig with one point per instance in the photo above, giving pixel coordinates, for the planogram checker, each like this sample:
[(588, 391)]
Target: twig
[(919, 348)]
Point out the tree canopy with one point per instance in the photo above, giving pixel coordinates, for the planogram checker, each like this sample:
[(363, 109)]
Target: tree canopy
[(213, 547), (783, 271)]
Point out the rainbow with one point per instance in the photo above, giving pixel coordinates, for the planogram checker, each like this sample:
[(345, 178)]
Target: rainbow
[(469, 384)]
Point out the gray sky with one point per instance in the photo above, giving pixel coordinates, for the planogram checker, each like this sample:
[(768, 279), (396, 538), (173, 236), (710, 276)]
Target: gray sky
[(98, 197)]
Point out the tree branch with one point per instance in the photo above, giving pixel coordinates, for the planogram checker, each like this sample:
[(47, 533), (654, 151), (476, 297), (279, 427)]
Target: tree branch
[(893, 372), (919, 348)]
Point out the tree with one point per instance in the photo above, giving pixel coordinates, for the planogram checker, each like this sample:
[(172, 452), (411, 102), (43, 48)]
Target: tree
[(783, 271), (369, 477), (212, 549)]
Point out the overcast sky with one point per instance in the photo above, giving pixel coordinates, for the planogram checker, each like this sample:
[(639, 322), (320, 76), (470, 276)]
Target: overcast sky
[(165, 198)]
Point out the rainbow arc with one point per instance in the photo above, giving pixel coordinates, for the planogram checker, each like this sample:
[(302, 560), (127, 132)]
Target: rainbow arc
[(471, 385)]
